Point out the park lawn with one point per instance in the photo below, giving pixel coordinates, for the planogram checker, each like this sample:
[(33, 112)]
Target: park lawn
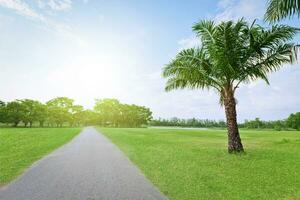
[(20, 147), (194, 164)]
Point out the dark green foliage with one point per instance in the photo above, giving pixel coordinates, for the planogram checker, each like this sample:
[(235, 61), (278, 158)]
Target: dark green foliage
[(15, 112), (2, 112), (197, 123), (279, 9), (31, 111), (293, 121), (277, 125)]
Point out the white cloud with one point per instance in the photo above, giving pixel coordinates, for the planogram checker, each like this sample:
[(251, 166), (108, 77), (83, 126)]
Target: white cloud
[(60, 4), (189, 42), (225, 3), (235, 9), (21, 8), (276, 100), (230, 10), (56, 5)]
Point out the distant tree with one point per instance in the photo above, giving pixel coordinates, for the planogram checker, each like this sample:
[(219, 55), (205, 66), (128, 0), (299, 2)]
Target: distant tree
[(111, 112), (89, 117), (188, 123), (293, 121), (134, 116), (59, 110), (230, 54), (32, 111), (108, 110), (15, 111), (280, 9), (41, 114), (76, 115), (258, 123), (144, 115), (3, 116)]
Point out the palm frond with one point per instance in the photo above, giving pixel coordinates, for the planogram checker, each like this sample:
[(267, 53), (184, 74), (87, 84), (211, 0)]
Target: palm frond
[(279, 9), (190, 69), (205, 29), (231, 53)]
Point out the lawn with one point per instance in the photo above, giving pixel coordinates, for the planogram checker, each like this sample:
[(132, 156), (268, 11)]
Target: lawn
[(20, 147), (194, 164)]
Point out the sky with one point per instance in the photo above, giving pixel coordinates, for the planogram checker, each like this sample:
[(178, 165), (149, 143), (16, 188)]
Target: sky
[(93, 49)]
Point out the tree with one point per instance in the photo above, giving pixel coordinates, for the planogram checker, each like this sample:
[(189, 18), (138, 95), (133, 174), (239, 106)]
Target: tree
[(293, 120), (230, 54), (3, 112), (111, 112), (15, 112), (89, 117), (279, 9), (108, 110), (76, 115), (31, 111), (41, 113), (59, 110), (134, 116)]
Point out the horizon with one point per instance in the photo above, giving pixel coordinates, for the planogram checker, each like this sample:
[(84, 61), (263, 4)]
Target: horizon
[(88, 50)]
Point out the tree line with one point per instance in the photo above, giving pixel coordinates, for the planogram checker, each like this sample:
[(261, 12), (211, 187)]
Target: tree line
[(292, 122), (193, 122), (62, 111)]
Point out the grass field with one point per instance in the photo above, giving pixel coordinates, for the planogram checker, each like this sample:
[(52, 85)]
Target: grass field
[(20, 147), (194, 164)]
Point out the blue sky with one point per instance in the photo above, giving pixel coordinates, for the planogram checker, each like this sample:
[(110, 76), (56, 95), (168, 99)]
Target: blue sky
[(88, 49)]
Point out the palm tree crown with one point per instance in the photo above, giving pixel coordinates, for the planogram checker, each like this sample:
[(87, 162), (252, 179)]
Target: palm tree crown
[(279, 9), (230, 54)]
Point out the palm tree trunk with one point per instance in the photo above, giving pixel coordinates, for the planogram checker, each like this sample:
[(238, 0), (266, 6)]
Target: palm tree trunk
[(234, 141)]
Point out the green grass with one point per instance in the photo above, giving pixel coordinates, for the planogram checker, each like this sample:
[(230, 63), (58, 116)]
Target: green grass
[(194, 164), (20, 147)]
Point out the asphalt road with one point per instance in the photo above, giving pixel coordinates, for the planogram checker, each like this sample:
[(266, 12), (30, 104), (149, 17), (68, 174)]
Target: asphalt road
[(89, 167)]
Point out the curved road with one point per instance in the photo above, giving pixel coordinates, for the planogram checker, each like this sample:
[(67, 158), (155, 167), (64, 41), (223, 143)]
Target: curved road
[(89, 167)]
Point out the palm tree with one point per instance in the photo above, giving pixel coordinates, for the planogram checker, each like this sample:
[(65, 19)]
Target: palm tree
[(279, 9), (230, 54)]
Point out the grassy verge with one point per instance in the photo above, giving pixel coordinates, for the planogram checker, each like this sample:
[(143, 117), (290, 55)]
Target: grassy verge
[(194, 164), (20, 147)]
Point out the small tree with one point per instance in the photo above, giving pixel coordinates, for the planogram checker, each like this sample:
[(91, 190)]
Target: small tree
[(108, 110), (230, 54), (31, 111), (3, 115), (15, 111), (59, 110), (293, 121), (76, 115)]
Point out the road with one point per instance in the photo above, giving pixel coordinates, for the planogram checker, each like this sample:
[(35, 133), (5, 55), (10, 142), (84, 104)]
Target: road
[(89, 167)]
